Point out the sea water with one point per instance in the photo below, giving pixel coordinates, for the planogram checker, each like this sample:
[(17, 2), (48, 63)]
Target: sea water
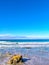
[(38, 52), (25, 40), (41, 50)]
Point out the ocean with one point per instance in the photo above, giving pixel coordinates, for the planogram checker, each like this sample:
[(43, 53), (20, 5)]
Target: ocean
[(24, 43), (25, 40), (37, 50)]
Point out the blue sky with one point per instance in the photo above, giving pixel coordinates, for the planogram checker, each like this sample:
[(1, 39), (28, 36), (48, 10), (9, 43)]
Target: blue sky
[(24, 17)]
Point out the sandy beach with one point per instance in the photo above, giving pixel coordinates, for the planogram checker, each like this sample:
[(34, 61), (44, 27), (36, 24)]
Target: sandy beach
[(31, 56), (24, 32)]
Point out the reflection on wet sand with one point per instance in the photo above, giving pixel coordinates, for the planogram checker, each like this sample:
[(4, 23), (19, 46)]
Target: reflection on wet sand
[(31, 56)]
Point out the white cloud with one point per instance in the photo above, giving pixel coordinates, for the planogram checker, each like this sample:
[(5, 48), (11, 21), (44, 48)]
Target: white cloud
[(38, 36), (24, 36)]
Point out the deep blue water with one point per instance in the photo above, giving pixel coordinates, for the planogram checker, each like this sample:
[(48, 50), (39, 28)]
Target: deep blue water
[(25, 40)]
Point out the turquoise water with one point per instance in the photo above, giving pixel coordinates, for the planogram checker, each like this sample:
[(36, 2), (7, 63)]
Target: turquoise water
[(12, 50), (35, 54), (26, 40), (40, 51)]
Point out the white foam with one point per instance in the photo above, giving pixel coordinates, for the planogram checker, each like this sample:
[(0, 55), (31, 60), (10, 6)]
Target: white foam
[(23, 44), (5, 42), (33, 43)]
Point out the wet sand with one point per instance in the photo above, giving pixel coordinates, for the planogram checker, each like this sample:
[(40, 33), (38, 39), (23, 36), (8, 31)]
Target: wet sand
[(31, 56)]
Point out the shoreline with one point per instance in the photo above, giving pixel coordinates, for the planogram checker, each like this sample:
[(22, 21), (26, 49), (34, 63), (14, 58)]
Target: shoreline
[(31, 56), (4, 44)]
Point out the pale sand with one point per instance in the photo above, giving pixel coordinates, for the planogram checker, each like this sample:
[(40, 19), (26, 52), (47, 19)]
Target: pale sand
[(30, 56)]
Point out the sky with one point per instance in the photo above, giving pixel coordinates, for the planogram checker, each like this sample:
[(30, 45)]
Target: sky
[(24, 18)]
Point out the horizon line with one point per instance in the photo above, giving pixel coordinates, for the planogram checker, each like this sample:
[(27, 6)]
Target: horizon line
[(11, 36)]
